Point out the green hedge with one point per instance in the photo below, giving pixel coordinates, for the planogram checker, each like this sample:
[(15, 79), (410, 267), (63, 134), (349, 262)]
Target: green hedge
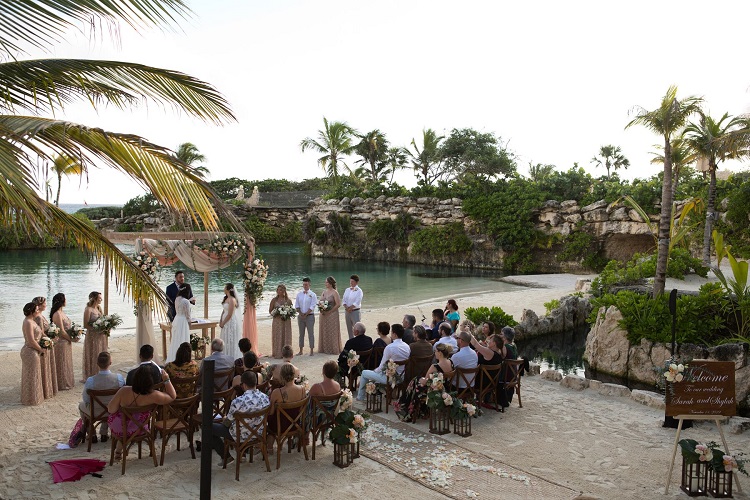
[(499, 318), (441, 241), (265, 233), (396, 230)]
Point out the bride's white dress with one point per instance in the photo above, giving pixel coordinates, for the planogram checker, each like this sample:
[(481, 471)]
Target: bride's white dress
[(232, 332), (180, 327)]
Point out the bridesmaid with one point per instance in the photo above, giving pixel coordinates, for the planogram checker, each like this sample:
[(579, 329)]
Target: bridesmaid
[(281, 330), (49, 368), (96, 341), (32, 392), (329, 334), (63, 347)]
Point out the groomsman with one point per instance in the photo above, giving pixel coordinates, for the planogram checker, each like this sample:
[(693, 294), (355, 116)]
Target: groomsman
[(352, 303), (179, 280), (305, 304)]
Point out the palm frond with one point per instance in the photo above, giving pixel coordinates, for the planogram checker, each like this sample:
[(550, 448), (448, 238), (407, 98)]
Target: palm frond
[(47, 85)]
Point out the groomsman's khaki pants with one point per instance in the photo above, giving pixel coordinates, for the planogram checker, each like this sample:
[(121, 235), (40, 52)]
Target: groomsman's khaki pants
[(350, 318), (309, 324)]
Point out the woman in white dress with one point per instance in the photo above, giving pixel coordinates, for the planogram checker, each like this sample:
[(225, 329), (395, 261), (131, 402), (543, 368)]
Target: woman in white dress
[(181, 322), (230, 323)]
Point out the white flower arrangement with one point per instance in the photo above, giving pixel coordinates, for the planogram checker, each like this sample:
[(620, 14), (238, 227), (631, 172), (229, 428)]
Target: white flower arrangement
[(285, 312), (372, 388), (227, 244), (52, 331), (352, 359), (346, 401), (254, 279), (105, 324), (46, 343), (197, 341), (674, 372), (147, 264), (324, 305), (393, 377), (76, 331)]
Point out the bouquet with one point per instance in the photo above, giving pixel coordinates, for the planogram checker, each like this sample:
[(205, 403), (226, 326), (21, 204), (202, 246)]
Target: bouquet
[(52, 331), (197, 341), (46, 343), (393, 377), (254, 278), (324, 305), (286, 312), (147, 264), (75, 331), (105, 324)]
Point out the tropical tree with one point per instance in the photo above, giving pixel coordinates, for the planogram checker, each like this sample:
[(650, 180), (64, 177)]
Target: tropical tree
[(666, 120), (334, 142), (373, 152), (427, 163), (682, 156), (611, 157), (468, 153), (539, 172), (64, 165), (30, 89), (188, 153), (716, 141)]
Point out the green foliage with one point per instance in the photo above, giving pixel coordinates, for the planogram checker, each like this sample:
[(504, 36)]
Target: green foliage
[(96, 213), (551, 305), (581, 246), (350, 187), (468, 153), (571, 185), (266, 233), (339, 230), (124, 228), (140, 205), (441, 241), (387, 230), (495, 314)]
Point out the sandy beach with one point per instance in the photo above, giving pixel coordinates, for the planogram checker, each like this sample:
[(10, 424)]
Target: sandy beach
[(561, 444)]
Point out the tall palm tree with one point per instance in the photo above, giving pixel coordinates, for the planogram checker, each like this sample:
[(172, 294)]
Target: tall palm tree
[(666, 120), (682, 156), (65, 165), (188, 153), (373, 149), (611, 157), (716, 141), (427, 162), (30, 89), (334, 141)]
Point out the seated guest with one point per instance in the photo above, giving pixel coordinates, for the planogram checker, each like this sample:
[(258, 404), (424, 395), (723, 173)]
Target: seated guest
[(416, 391), (397, 350), (287, 393), (141, 393), (490, 354), (446, 337), (249, 361), (360, 342), (245, 345), (147, 359), (488, 329), (222, 362), (102, 381), (433, 333), (408, 323), (421, 347), (510, 351), (183, 366), (465, 358), (328, 386), (251, 400), (287, 353), (384, 332)]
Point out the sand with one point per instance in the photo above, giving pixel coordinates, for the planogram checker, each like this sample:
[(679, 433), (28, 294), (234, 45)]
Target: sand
[(565, 443)]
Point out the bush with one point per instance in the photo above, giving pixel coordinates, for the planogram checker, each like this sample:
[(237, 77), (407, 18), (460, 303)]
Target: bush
[(495, 314), (140, 205), (396, 230), (339, 229), (96, 213), (441, 241), (582, 247), (551, 305), (265, 233), (124, 228)]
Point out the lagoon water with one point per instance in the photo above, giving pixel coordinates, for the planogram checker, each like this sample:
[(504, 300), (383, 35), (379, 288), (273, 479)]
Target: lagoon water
[(25, 274)]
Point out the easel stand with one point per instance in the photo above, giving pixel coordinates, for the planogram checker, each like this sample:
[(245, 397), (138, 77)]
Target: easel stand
[(717, 420)]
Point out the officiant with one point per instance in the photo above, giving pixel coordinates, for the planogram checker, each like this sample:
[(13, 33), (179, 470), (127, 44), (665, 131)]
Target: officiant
[(179, 280)]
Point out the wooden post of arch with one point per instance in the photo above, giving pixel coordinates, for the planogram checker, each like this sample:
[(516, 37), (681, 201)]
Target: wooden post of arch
[(205, 295), (106, 286)]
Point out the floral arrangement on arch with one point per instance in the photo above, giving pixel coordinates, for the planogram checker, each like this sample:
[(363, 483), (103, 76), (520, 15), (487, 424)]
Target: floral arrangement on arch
[(254, 279), (147, 264), (718, 461), (285, 312), (226, 245), (348, 425), (105, 324)]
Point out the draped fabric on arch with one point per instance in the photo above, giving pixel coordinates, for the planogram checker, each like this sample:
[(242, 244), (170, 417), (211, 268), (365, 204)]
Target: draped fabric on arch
[(170, 251)]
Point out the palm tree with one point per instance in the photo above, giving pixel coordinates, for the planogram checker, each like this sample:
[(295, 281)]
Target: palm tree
[(716, 141), (188, 153), (666, 120), (31, 89), (334, 141), (65, 165), (611, 157), (682, 157), (373, 149), (427, 162)]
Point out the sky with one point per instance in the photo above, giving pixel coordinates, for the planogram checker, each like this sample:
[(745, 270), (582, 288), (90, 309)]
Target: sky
[(555, 80)]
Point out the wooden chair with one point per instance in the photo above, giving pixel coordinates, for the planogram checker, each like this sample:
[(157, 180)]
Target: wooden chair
[(466, 377), (222, 401), (185, 385), (177, 418), (257, 437), (353, 375), (290, 426), (98, 401), (375, 358), (223, 379), (326, 412), (417, 367), (392, 393), (142, 431), (489, 384), (513, 377)]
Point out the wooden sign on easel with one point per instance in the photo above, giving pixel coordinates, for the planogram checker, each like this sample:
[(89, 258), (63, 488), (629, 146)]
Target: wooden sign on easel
[(707, 388)]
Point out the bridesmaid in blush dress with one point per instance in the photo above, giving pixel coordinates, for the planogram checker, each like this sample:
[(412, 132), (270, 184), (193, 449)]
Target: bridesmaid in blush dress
[(32, 393), (329, 333), (63, 346), (281, 330), (96, 341), (49, 368)]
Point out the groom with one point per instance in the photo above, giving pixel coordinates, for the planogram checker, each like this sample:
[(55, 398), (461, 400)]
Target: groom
[(179, 280)]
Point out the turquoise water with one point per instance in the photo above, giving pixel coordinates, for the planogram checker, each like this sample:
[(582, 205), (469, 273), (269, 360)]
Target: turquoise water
[(25, 274)]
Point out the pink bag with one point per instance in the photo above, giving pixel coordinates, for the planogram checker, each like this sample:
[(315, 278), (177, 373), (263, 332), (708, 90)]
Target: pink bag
[(77, 435)]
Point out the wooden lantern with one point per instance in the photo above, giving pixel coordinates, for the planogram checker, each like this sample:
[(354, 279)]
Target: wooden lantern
[(342, 455), (200, 353), (375, 402), (694, 478), (720, 484), (439, 421), (462, 426), (355, 449)]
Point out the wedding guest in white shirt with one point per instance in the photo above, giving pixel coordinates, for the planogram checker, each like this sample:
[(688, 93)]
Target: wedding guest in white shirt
[(305, 303), (446, 337), (397, 350), (465, 358), (352, 303)]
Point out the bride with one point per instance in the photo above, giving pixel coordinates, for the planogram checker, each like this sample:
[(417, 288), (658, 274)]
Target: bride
[(231, 326), (181, 322)]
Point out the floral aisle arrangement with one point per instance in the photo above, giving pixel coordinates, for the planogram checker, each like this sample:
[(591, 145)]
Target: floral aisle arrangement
[(52, 331), (147, 264), (324, 305), (705, 467), (353, 362), (285, 312), (254, 279), (374, 397), (76, 331), (393, 377), (346, 430), (105, 324)]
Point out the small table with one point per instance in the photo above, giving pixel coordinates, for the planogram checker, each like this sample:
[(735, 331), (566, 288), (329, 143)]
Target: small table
[(203, 326)]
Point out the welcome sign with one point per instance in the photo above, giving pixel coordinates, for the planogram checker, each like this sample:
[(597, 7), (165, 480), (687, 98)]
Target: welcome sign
[(707, 388)]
